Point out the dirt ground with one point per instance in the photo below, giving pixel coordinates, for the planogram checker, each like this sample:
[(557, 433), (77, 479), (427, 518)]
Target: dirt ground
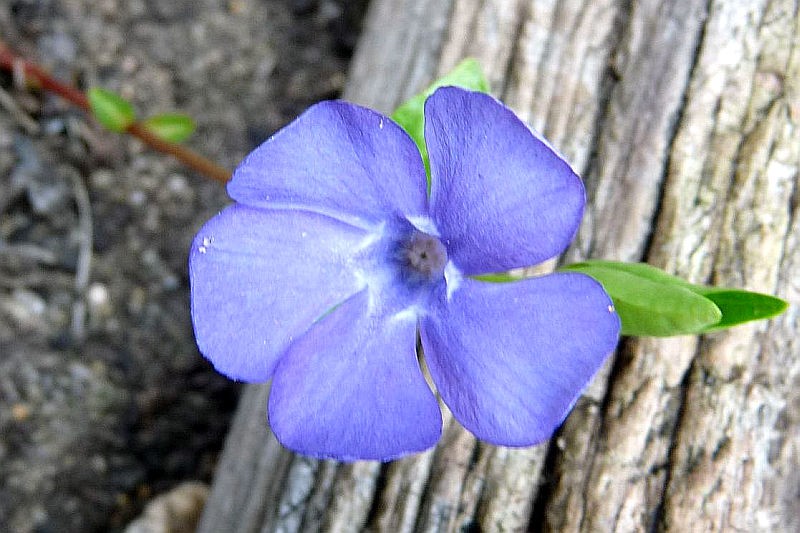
[(104, 400)]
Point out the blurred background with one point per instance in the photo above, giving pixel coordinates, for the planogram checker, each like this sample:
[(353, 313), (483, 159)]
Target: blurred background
[(105, 403)]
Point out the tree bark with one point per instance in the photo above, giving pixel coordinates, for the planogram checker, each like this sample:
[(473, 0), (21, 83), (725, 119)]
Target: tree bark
[(683, 117)]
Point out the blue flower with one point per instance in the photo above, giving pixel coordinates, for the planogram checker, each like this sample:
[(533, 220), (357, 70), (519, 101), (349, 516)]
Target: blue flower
[(333, 258)]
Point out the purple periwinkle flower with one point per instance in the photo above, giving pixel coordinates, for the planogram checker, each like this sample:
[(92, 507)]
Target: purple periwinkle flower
[(334, 257)]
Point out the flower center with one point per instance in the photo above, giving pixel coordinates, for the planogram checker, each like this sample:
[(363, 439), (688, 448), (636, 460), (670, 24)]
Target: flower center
[(422, 257)]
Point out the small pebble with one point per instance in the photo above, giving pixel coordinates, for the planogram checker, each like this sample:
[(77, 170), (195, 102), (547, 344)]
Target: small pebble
[(20, 412)]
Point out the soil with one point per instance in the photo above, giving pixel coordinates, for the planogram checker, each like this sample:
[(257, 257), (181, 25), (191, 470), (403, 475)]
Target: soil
[(105, 401)]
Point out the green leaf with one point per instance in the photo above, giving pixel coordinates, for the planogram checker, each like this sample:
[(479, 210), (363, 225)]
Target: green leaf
[(650, 302), (172, 127), (410, 115), (734, 305), (740, 306), (110, 109), (497, 278)]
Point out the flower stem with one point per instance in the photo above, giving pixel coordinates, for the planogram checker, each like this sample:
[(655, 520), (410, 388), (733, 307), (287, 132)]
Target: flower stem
[(34, 74)]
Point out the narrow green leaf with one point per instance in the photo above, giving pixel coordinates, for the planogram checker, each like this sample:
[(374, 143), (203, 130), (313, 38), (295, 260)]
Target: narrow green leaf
[(410, 115), (110, 109), (497, 278), (736, 306), (637, 269), (651, 303), (172, 127), (740, 306)]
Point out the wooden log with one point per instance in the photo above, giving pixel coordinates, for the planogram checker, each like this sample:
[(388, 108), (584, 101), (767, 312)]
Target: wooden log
[(683, 117)]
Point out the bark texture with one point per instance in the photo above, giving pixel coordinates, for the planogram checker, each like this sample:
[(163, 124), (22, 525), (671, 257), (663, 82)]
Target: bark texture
[(683, 117)]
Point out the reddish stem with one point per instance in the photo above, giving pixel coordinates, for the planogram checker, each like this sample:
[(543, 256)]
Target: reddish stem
[(33, 73)]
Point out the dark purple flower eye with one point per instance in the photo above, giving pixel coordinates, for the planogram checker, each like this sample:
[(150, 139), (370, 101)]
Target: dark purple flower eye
[(333, 258), (422, 257)]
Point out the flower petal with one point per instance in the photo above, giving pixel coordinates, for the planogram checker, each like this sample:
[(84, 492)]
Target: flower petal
[(336, 158), (352, 388), (500, 196), (510, 359), (259, 278)]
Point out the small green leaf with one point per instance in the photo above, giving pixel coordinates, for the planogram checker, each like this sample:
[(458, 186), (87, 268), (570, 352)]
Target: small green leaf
[(497, 278), (110, 109), (650, 302), (736, 306), (172, 127), (740, 306), (410, 115)]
